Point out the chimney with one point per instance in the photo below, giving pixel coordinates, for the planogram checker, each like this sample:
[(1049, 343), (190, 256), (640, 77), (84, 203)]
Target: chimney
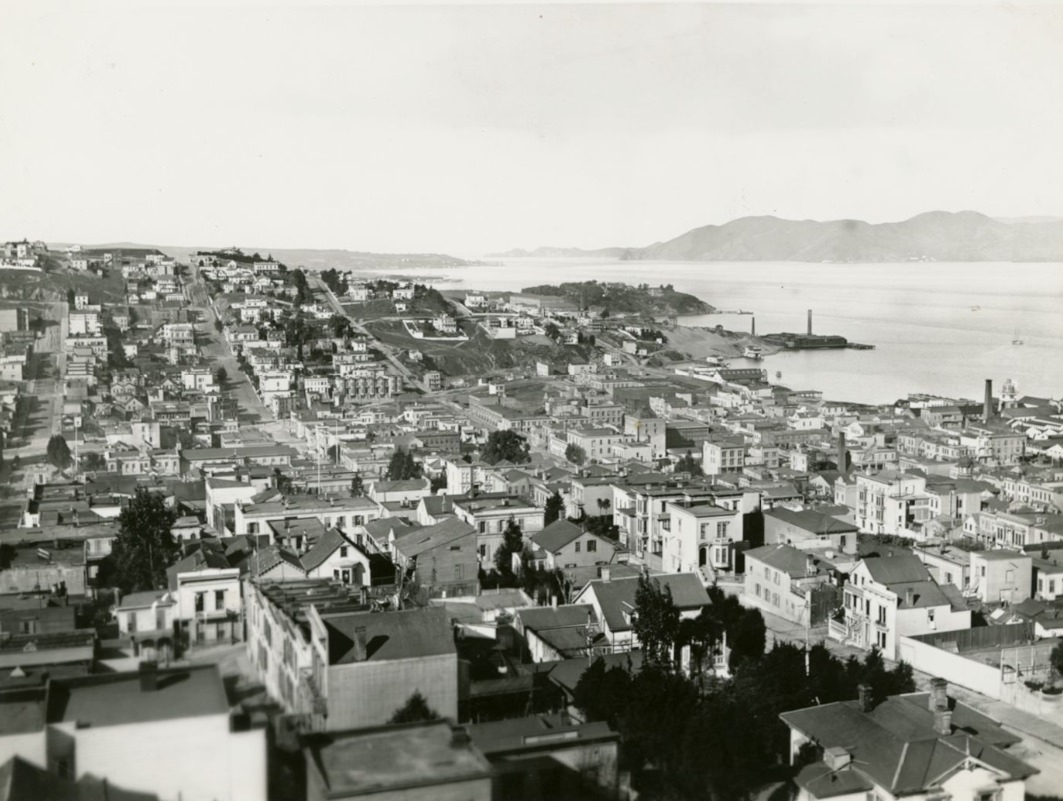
[(810, 565), (943, 721), (753, 327), (149, 677), (987, 408), (606, 573), (864, 691), (938, 694), (553, 602), (909, 596), (810, 322), (459, 737), (360, 644), (843, 454)]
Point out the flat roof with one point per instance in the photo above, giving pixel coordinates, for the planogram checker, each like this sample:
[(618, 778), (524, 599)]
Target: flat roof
[(116, 698), (379, 759)]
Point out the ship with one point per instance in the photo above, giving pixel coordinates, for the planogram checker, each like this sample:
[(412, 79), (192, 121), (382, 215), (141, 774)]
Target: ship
[(754, 352), (1017, 340)]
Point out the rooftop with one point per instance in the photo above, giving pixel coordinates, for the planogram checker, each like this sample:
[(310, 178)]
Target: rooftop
[(391, 635), (117, 698), (394, 757)]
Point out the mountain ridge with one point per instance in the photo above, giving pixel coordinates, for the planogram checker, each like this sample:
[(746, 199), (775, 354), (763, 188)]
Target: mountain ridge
[(929, 236)]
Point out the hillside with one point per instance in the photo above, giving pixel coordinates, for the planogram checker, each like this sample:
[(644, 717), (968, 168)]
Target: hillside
[(623, 298), (309, 258), (933, 236)]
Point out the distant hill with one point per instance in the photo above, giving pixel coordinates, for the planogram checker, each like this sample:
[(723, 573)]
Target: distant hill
[(310, 259), (933, 236), (561, 253)]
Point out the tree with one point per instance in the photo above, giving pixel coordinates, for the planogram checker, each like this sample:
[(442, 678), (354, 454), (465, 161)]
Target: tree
[(221, 375), (218, 326), (58, 452), (688, 464), (575, 454), (415, 710), (505, 446), (339, 325), (555, 505), (656, 622), (144, 546), (402, 466), (357, 486), (512, 542), (70, 297), (93, 460)]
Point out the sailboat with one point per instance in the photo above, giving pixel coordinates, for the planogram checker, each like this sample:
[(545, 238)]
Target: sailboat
[(1017, 340)]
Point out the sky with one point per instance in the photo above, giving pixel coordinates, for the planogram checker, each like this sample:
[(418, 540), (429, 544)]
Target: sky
[(471, 129)]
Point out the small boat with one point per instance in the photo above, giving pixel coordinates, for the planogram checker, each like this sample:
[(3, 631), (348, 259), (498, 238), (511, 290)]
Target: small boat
[(976, 308), (1017, 340), (753, 352)]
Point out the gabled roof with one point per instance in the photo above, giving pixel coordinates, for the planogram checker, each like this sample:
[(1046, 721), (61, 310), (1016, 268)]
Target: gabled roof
[(390, 635), (617, 596), (896, 569), (326, 545), (539, 618), (811, 521), (266, 559), (896, 746), (786, 558), (556, 535), (426, 539)]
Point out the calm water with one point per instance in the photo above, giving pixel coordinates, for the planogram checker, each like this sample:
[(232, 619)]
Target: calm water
[(919, 317)]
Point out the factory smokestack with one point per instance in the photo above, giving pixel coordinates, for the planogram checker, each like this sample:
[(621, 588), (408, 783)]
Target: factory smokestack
[(987, 409), (810, 322), (753, 327), (843, 453)]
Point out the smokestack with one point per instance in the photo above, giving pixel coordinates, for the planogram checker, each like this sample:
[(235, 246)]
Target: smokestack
[(987, 409), (810, 322), (843, 453), (753, 327)]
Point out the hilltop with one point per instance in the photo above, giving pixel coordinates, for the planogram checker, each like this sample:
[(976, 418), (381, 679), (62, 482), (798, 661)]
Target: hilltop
[(620, 298), (933, 236)]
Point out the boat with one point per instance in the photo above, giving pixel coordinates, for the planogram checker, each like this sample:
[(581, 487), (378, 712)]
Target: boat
[(1017, 340), (976, 308), (754, 352)]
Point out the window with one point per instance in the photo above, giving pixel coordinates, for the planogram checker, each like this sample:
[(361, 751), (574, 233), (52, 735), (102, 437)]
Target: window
[(577, 546), (252, 528), (882, 615), (133, 623), (483, 526), (219, 599), (160, 618), (459, 572), (199, 601), (756, 590), (343, 552), (592, 546), (29, 626), (880, 637)]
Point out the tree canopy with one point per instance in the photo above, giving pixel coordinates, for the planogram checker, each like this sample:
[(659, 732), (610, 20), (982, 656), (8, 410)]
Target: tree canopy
[(403, 466), (58, 452), (144, 547), (555, 506), (575, 454), (688, 464), (505, 446), (415, 710), (512, 543)]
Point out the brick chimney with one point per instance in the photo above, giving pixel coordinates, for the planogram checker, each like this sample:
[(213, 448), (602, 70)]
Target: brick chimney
[(843, 453), (939, 695), (987, 407), (361, 652), (943, 721), (864, 691)]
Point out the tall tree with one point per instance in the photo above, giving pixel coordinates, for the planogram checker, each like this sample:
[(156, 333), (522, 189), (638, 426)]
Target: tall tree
[(58, 452), (512, 543), (555, 505), (575, 454), (357, 486), (339, 325), (656, 622), (144, 546), (403, 466), (505, 446)]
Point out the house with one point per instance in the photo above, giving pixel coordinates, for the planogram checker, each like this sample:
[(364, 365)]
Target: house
[(551, 633), (128, 727), (701, 537), (915, 746), (408, 492), (891, 503), (808, 529), (442, 559), (1001, 576), (789, 583), (613, 601), (337, 556), (413, 762), (489, 514), (148, 619), (887, 597), (208, 594), (564, 544)]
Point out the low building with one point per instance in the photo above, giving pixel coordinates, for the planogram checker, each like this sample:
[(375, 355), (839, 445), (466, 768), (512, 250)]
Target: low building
[(1001, 576), (412, 762), (564, 544), (917, 746), (808, 529), (792, 584)]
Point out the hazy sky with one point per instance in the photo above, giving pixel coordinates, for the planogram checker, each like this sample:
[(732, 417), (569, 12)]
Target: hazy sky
[(466, 129)]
